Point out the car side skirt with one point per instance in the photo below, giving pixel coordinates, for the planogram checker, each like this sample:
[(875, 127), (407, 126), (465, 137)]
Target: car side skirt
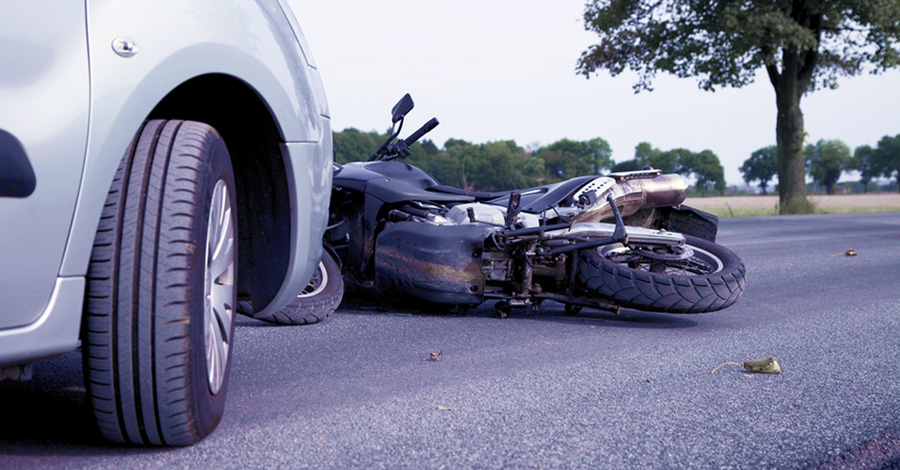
[(55, 331)]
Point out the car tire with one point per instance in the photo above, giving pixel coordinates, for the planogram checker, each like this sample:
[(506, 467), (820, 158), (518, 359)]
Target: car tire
[(161, 290)]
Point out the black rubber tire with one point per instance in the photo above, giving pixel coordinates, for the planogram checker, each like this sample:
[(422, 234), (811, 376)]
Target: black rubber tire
[(320, 300), (660, 292), (144, 350)]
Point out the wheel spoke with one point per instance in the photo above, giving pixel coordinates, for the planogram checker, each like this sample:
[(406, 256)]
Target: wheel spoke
[(699, 263), (222, 264), (222, 310), (219, 285), (317, 283), (217, 355), (224, 235), (217, 206)]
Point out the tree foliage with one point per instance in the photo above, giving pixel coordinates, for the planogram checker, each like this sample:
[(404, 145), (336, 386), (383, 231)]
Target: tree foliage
[(566, 158), (496, 166), (704, 167), (887, 157), (761, 166), (708, 171), (627, 165), (827, 159), (489, 166), (724, 43), (864, 162), (353, 145), (801, 44)]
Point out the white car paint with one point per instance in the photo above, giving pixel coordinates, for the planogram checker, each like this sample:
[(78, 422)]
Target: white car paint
[(75, 105)]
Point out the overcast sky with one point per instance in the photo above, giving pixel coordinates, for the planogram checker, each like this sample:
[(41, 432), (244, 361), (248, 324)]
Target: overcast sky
[(502, 69)]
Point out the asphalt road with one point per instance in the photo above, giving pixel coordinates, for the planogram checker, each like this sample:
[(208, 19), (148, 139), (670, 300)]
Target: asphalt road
[(549, 391)]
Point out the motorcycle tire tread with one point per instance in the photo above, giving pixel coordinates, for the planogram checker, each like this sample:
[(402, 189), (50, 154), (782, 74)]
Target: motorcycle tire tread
[(659, 292), (306, 310)]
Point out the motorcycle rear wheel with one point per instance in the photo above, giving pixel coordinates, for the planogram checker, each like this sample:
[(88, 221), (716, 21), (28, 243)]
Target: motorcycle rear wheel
[(712, 278)]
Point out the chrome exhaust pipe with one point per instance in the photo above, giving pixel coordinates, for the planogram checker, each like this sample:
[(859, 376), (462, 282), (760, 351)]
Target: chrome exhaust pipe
[(635, 191)]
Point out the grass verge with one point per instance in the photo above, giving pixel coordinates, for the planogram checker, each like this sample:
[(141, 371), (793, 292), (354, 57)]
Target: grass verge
[(728, 212)]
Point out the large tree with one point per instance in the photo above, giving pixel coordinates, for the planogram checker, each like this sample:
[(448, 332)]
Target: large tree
[(801, 44)]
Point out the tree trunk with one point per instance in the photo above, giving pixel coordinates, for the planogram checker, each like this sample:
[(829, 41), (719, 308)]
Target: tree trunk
[(789, 89), (791, 161), (831, 183)]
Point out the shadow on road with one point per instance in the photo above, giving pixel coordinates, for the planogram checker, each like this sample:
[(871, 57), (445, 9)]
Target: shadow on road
[(254, 323), (49, 413), (626, 319), (549, 312)]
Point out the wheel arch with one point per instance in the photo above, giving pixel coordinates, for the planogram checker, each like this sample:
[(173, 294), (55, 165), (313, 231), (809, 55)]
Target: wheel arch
[(253, 137)]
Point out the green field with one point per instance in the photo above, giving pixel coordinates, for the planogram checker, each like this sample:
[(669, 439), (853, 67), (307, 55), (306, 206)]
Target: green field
[(760, 206)]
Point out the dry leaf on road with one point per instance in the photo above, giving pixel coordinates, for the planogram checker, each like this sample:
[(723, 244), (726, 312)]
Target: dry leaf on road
[(437, 356), (768, 365), (849, 252)]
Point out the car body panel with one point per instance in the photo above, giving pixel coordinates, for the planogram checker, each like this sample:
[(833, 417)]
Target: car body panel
[(43, 66), (109, 97), (54, 332), (311, 193), (127, 89)]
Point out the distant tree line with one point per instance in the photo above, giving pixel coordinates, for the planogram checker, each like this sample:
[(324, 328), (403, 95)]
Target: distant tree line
[(504, 165), (826, 160)]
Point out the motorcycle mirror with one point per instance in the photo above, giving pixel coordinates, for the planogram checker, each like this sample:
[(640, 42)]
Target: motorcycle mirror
[(402, 107)]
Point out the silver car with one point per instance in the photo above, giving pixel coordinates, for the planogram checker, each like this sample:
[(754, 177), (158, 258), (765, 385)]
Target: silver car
[(159, 162)]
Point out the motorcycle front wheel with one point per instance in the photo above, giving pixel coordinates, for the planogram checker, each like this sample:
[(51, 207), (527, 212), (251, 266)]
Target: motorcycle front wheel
[(710, 278), (319, 299)]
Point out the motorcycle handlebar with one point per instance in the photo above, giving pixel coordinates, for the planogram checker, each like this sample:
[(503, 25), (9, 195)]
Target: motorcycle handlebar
[(426, 128)]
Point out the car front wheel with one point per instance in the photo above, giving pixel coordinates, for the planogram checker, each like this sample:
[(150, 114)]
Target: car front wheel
[(161, 290)]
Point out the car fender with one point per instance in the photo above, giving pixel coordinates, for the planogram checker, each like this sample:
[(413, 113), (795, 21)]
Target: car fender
[(253, 41)]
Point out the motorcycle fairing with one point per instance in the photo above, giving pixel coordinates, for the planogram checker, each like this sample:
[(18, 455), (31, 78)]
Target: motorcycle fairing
[(411, 175), (392, 190), (392, 182), (440, 264)]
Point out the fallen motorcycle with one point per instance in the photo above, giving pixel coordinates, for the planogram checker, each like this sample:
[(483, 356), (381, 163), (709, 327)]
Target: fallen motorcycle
[(620, 240)]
